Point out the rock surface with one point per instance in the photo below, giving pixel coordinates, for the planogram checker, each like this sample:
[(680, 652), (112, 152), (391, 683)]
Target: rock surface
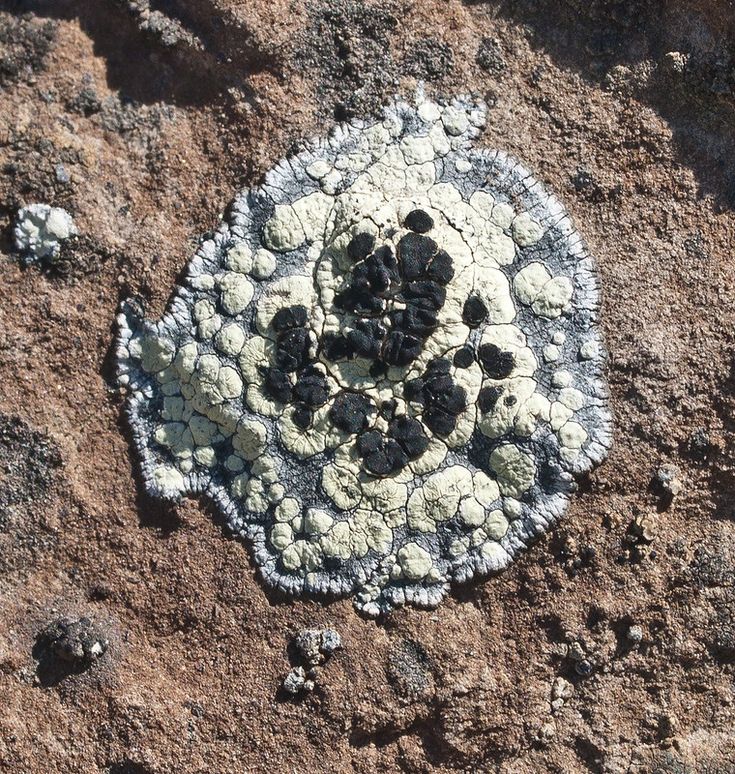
[(142, 120)]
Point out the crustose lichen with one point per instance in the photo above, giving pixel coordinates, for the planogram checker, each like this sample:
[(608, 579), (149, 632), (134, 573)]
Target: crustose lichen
[(384, 367), (40, 231)]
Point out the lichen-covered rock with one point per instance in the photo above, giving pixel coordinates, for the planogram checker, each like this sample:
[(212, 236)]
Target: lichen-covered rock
[(315, 646), (296, 681), (384, 367)]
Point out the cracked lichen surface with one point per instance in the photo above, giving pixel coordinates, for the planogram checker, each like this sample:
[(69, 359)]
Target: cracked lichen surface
[(384, 367)]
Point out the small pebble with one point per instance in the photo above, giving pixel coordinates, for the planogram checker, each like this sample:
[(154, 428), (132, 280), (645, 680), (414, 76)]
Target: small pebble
[(331, 641), (576, 651), (308, 643), (547, 732), (583, 668), (667, 478), (40, 231), (700, 444), (675, 62), (314, 648), (644, 527), (76, 641), (62, 174), (562, 689), (295, 681)]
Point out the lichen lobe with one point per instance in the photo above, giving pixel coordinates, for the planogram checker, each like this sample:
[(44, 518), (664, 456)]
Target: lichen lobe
[(384, 368)]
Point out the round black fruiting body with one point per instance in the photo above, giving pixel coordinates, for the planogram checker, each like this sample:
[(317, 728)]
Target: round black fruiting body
[(419, 221), (464, 357), (350, 411), (497, 363), (474, 312), (488, 398)]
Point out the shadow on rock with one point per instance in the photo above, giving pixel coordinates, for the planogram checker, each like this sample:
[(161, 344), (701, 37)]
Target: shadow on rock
[(183, 56), (678, 59)]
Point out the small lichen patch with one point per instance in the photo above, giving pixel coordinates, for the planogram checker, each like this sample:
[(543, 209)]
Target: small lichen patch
[(40, 231), (384, 368)]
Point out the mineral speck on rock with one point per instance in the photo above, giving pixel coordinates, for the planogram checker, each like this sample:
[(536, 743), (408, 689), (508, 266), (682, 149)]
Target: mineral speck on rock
[(74, 643), (410, 669), (644, 528), (700, 445), (490, 56), (562, 689), (75, 639), (577, 653), (674, 62), (583, 668), (668, 480)]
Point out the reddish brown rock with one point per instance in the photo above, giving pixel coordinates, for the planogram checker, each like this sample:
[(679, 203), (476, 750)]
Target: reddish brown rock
[(144, 142)]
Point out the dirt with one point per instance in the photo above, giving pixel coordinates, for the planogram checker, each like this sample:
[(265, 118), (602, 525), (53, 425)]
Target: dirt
[(144, 129)]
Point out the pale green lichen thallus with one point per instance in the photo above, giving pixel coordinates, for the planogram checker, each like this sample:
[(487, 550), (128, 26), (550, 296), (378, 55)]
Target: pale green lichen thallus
[(384, 368)]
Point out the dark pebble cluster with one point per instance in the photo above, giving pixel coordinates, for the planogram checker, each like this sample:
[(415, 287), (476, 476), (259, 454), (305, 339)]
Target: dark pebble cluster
[(443, 400), (416, 276)]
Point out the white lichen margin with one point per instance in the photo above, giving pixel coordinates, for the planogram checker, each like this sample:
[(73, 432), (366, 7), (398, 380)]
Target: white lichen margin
[(235, 393)]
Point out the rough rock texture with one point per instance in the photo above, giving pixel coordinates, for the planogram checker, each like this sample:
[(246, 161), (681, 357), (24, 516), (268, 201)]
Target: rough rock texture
[(625, 111)]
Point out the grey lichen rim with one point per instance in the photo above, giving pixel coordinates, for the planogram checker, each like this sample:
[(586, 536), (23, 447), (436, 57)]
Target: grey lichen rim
[(384, 368)]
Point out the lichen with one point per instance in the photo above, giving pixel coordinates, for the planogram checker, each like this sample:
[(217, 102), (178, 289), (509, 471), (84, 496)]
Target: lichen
[(384, 368), (40, 231)]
